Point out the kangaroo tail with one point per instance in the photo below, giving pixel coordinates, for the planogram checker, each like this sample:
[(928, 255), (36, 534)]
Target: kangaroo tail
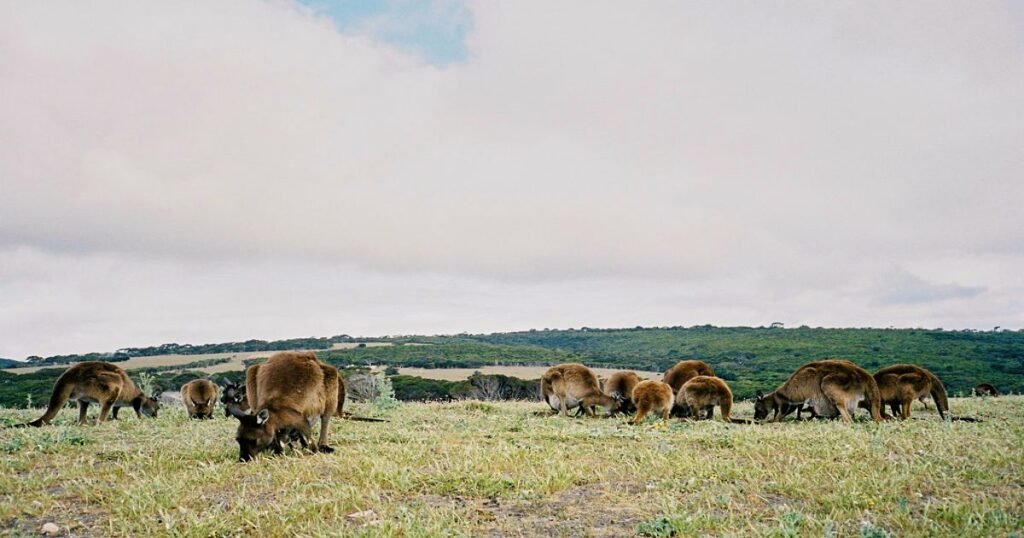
[(61, 392), (354, 418), (939, 395)]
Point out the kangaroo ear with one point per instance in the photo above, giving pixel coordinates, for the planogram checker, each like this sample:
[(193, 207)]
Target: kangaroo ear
[(262, 416), (760, 395)]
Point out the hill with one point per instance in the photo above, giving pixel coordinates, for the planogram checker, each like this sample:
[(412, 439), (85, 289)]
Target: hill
[(750, 358), (499, 469)]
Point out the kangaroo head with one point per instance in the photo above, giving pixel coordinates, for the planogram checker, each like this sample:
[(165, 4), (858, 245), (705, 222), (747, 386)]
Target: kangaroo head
[(762, 406), (255, 433), (149, 405)]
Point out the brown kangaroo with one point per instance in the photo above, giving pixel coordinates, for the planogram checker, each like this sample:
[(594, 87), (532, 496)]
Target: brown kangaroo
[(569, 385), (703, 393), (901, 384), (652, 397), (289, 393), (199, 397), (684, 371), (96, 382), (620, 386), (986, 389), (831, 385)]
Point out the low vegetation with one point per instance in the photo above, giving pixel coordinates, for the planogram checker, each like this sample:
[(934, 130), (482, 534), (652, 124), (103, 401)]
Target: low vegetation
[(478, 468)]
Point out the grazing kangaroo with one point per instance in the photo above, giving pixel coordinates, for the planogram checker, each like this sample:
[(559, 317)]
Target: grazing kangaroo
[(199, 397), (96, 382), (986, 389), (652, 397), (289, 393), (620, 386), (901, 384), (703, 393), (764, 405), (833, 385), (569, 385), (684, 371), (234, 396)]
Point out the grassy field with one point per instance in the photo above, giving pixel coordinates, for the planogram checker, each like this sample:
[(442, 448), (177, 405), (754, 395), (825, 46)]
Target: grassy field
[(502, 469)]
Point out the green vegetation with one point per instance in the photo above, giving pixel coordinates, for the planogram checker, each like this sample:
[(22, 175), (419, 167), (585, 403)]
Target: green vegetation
[(497, 469), (751, 359)]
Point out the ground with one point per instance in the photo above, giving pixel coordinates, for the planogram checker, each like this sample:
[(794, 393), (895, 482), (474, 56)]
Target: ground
[(508, 469)]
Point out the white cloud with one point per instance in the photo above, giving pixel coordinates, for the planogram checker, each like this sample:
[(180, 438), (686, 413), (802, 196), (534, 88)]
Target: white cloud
[(765, 162)]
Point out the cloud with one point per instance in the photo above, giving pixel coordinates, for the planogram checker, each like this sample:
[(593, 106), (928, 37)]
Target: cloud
[(902, 287), (793, 152)]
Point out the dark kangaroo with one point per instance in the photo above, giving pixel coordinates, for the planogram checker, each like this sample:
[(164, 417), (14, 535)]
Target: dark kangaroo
[(96, 382), (289, 393), (620, 386), (832, 386), (986, 389)]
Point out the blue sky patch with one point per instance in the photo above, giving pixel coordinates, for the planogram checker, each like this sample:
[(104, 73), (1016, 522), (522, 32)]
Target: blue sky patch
[(434, 29)]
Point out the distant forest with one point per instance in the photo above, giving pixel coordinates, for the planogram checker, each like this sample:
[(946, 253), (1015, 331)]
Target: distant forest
[(749, 358)]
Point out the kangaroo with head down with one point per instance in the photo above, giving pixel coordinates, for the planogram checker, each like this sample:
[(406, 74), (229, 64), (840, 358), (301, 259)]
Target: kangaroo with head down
[(832, 386), (901, 384), (986, 389), (703, 393), (652, 397), (96, 382), (288, 393), (682, 372), (199, 397), (569, 385), (620, 386)]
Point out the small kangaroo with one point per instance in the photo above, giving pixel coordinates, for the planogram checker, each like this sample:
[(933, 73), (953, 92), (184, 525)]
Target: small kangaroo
[(199, 397), (833, 385), (652, 397), (901, 384), (96, 382), (569, 385), (703, 393), (986, 389), (289, 393), (764, 405), (620, 386)]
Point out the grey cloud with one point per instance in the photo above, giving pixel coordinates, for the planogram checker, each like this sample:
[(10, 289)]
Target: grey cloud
[(901, 287)]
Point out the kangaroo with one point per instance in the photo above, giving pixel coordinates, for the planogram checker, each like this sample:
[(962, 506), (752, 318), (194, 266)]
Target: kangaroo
[(684, 371), (289, 393), (901, 384), (234, 396), (833, 385), (986, 389), (569, 385), (620, 386), (96, 382), (703, 393), (652, 397), (199, 397), (763, 405)]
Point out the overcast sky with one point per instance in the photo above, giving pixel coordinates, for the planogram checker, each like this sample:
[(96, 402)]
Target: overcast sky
[(210, 171)]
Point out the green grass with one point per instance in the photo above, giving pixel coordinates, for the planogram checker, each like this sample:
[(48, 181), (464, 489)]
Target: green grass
[(478, 469)]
